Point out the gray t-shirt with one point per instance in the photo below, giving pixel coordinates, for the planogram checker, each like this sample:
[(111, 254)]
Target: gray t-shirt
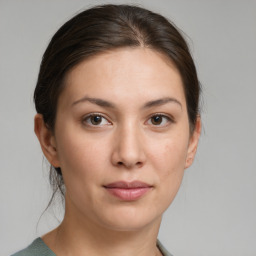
[(39, 248)]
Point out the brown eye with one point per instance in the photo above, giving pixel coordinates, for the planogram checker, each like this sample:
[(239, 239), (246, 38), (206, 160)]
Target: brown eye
[(159, 120), (156, 120), (95, 120)]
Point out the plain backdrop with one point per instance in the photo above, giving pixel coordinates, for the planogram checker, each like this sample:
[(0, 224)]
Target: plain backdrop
[(214, 213)]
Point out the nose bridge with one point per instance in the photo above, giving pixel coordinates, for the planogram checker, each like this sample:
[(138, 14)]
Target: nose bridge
[(129, 149)]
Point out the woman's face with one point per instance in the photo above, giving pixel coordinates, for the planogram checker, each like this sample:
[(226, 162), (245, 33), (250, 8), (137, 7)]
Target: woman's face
[(122, 138)]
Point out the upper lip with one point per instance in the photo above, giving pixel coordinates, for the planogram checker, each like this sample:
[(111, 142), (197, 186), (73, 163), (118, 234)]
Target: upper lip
[(127, 185)]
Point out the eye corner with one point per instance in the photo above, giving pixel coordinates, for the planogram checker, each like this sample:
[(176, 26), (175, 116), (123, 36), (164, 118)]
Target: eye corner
[(160, 120), (96, 120)]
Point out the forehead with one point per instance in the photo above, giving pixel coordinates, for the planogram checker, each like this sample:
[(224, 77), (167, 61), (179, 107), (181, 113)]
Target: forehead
[(133, 73)]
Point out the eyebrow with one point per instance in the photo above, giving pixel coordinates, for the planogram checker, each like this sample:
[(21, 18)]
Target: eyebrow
[(99, 102), (104, 103), (160, 102)]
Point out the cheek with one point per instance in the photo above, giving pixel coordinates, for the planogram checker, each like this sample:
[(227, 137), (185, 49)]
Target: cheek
[(170, 157), (169, 163), (81, 157), (82, 163)]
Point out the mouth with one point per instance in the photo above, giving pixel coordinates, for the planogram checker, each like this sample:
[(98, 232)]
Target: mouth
[(128, 191)]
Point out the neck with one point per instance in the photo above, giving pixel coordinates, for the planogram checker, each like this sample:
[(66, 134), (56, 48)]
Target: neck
[(76, 236)]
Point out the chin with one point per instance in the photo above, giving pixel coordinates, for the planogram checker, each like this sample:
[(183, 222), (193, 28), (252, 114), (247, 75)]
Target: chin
[(129, 219)]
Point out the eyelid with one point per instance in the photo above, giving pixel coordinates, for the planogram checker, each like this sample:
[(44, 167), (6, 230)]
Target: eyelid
[(84, 118), (169, 118)]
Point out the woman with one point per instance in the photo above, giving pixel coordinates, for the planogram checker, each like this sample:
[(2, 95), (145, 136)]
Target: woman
[(117, 118)]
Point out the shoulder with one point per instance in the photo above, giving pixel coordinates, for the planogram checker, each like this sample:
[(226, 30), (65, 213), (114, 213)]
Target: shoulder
[(38, 247)]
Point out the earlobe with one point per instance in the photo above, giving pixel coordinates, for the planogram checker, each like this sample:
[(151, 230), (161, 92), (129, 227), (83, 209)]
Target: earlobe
[(46, 140), (193, 143)]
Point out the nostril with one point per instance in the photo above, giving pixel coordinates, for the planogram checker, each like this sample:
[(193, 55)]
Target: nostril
[(139, 164), (129, 165)]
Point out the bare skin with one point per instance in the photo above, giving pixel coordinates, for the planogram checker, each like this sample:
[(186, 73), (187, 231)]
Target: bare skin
[(121, 117)]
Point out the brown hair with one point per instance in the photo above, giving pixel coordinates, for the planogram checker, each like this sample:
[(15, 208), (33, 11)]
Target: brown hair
[(103, 28)]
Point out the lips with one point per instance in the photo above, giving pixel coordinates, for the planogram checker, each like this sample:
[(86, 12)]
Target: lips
[(128, 191)]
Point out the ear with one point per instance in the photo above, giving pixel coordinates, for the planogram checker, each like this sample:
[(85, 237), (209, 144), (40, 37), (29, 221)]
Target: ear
[(193, 143), (46, 140)]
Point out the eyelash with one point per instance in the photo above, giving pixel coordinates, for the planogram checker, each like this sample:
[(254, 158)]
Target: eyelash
[(162, 116), (87, 120)]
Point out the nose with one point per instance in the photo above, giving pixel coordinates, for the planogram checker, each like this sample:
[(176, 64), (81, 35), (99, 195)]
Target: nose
[(128, 148)]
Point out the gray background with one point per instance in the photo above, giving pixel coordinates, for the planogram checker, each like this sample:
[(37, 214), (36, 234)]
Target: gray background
[(215, 210)]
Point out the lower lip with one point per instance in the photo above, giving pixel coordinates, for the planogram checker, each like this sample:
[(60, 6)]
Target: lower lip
[(128, 194)]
